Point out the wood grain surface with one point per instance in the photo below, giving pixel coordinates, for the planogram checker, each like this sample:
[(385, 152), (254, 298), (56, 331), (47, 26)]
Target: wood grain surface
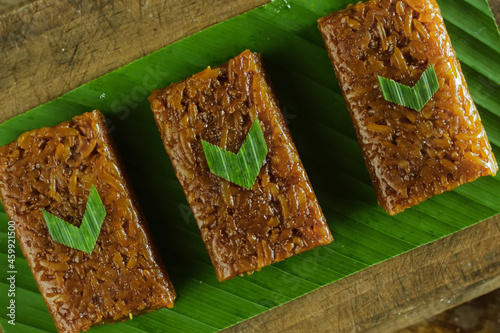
[(49, 47)]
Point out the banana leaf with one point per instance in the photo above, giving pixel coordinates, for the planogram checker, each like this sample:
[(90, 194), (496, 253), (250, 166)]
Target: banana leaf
[(285, 33)]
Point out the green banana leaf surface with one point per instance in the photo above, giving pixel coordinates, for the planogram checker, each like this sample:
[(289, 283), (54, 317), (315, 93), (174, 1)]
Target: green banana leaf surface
[(286, 33)]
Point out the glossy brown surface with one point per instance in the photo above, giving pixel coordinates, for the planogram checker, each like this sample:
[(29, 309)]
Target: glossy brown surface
[(410, 155), (53, 169), (243, 230)]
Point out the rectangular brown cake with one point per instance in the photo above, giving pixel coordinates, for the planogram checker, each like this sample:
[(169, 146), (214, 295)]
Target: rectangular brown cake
[(243, 229), (53, 169), (410, 155)]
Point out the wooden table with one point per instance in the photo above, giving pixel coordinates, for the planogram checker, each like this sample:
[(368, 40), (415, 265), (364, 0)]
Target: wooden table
[(49, 47)]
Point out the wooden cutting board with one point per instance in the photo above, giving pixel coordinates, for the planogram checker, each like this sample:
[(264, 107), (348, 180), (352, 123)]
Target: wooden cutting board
[(48, 47)]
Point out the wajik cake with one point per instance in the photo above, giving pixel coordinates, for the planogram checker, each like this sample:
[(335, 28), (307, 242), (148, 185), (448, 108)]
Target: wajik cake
[(243, 229), (410, 155), (53, 169)]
